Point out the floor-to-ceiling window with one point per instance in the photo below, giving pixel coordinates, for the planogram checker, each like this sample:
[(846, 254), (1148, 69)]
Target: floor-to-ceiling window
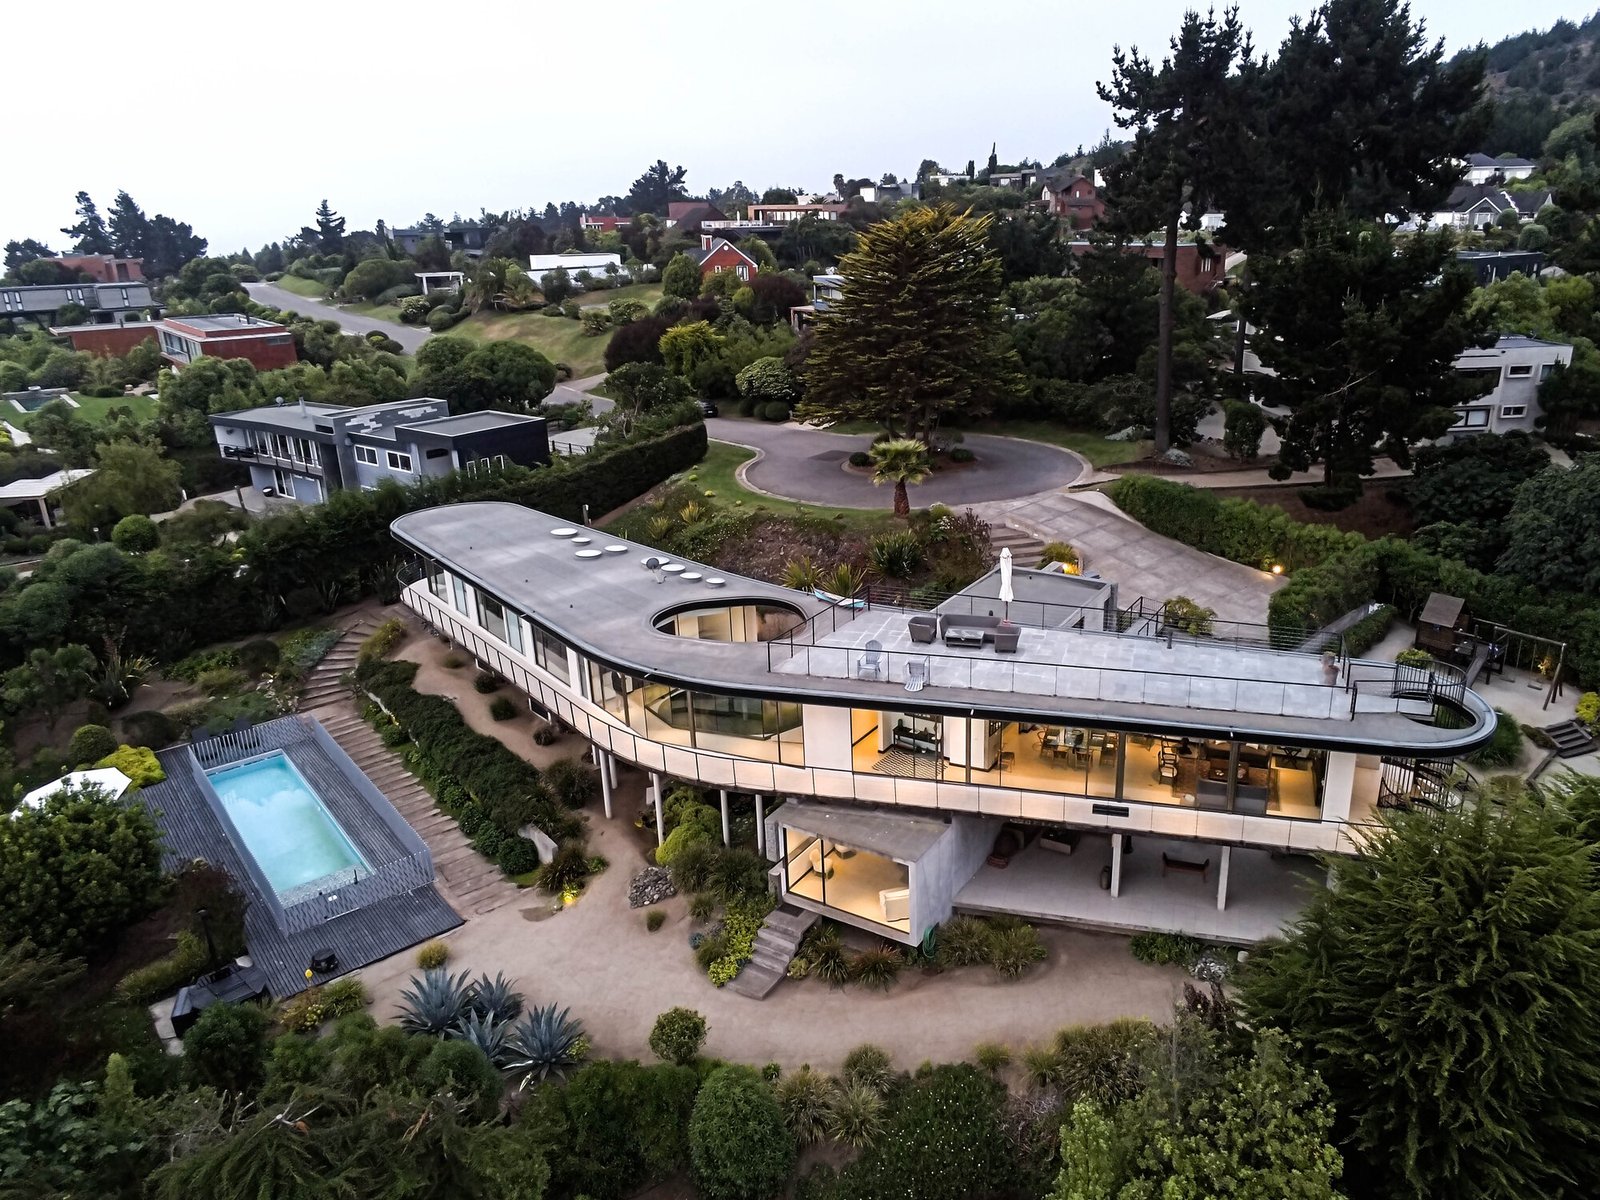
[(852, 881)]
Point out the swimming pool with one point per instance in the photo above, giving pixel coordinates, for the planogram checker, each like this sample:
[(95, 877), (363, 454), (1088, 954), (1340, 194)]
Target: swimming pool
[(285, 826)]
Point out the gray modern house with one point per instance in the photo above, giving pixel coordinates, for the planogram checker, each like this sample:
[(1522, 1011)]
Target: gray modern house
[(108, 303), (305, 451), (1510, 372)]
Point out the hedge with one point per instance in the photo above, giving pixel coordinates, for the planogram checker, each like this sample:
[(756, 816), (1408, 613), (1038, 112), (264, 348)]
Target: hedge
[(1333, 572), (505, 787)]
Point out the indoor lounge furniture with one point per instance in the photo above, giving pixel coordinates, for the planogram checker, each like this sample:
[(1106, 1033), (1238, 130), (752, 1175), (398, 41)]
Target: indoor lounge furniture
[(895, 903), (917, 741)]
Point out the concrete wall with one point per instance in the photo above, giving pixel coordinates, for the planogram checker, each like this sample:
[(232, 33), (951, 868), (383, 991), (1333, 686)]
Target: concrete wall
[(827, 736), (945, 869)]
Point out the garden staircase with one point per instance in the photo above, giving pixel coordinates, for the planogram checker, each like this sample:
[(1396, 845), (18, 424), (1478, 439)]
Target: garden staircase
[(776, 944), (1571, 738), (1025, 548), (470, 883)]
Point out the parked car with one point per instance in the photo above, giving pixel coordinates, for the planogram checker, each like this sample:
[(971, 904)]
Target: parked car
[(707, 409)]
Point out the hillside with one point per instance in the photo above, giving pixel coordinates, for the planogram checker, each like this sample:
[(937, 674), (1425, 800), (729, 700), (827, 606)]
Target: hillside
[(1537, 80)]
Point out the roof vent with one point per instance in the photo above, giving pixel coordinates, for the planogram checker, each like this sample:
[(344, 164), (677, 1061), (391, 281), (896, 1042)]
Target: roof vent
[(565, 531), (591, 553)]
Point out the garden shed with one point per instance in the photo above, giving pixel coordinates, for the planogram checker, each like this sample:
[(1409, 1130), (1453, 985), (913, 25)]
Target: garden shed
[(1443, 625)]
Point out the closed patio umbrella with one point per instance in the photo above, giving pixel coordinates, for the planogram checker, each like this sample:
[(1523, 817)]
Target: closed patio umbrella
[(1006, 594)]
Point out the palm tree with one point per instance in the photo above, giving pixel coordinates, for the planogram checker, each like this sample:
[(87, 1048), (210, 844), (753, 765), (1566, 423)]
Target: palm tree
[(900, 461)]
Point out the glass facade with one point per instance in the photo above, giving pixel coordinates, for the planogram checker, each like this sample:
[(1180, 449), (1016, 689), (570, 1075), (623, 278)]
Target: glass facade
[(745, 726), (842, 877)]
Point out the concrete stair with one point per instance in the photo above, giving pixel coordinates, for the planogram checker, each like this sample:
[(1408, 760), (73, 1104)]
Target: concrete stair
[(775, 947), (1571, 738), (469, 882), (1025, 548)]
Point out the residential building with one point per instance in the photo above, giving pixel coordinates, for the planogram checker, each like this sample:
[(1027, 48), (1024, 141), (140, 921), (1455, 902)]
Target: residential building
[(441, 281), (1490, 266), (306, 451), (596, 262), (1202, 265), (825, 289), (1480, 168), (603, 223), (717, 255), (267, 344), (1479, 206), (891, 193), (1510, 373), (470, 239), (111, 341), (946, 178), (107, 302), (1054, 756), (105, 268), (36, 499), (1074, 197), (1014, 177), (691, 215), (782, 214)]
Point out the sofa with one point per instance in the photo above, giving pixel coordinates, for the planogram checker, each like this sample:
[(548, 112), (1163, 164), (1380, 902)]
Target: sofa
[(996, 630), (924, 628), (1249, 799)]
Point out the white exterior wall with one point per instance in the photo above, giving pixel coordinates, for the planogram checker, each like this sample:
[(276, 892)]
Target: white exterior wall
[(1514, 403), (831, 776)]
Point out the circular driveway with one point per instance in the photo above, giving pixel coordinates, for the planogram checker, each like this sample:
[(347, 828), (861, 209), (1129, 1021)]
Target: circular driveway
[(807, 465)]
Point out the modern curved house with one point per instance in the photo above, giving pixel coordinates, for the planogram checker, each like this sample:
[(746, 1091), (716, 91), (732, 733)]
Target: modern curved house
[(1055, 756)]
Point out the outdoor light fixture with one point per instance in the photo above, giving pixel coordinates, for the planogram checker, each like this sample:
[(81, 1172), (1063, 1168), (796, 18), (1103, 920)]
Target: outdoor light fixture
[(1277, 568), (654, 565)]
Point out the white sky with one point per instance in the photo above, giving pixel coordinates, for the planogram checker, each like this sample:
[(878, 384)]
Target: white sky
[(553, 99)]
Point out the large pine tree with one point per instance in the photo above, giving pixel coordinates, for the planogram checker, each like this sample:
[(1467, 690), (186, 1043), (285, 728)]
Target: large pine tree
[(90, 232), (1446, 986), (917, 333)]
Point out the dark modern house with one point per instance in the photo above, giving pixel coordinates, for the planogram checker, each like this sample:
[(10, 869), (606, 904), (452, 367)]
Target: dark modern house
[(305, 451), (108, 303)]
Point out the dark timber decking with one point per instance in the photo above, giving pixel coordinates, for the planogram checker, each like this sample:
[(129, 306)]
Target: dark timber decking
[(382, 928)]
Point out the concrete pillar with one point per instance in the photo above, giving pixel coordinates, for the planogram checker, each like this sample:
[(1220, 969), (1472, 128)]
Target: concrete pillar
[(1222, 879), (605, 779), (1116, 864), (761, 826), (727, 840), (611, 768), (655, 793)]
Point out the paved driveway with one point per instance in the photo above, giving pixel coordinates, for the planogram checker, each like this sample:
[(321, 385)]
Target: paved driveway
[(805, 464), (409, 336), (1140, 562)]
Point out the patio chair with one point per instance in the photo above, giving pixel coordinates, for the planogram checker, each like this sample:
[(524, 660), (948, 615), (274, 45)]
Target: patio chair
[(916, 675), (870, 664)]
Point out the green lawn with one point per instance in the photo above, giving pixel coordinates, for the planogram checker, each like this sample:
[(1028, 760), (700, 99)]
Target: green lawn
[(93, 409), (716, 474), (383, 312), (309, 288), (557, 338)]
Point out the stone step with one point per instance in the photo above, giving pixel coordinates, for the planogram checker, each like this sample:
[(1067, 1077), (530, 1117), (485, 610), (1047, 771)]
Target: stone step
[(1571, 738), (756, 982)]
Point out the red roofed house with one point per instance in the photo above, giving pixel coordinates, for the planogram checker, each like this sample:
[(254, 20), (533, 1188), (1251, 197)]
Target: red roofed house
[(1201, 265), (717, 255), (598, 223), (1074, 198), (105, 268), (266, 344)]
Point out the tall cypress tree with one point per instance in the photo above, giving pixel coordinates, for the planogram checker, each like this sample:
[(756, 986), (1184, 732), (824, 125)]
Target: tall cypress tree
[(90, 232)]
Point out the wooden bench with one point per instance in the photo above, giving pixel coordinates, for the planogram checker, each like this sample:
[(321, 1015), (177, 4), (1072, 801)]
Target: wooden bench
[(1168, 863)]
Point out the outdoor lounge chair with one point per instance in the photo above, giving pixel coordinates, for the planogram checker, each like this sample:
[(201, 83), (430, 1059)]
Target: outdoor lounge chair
[(916, 675), (870, 664)]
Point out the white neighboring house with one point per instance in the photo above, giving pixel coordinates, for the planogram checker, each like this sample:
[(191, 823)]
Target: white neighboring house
[(594, 262), (1479, 206), (1511, 371), (1480, 168)]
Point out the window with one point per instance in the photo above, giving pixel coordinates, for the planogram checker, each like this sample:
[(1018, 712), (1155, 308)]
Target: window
[(461, 595), (1471, 418), (744, 272), (302, 450), (399, 461), (367, 454), (1519, 371), (550, 652), (1546, 370), (436, 452), (492, 615), (438, 583), (1509, 411), (717, 270)]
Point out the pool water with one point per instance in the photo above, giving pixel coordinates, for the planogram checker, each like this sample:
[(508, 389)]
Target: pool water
[(284, 824)]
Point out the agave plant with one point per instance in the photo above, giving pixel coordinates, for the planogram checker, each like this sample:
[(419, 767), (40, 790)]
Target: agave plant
[(802, 574), (495, 998), (434, 1002), (544, 1043), (484, 1032), (846, 580)]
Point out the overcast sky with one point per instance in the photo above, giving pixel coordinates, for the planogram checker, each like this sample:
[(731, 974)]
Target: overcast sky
[(240, 118)]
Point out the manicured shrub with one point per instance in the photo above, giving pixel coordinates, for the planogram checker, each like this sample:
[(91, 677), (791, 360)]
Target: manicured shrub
[(654, 920), (1058, 552), (226, 1049), (486, 682), (220, 681), (777, 410), (962, 455), (517, 856), (545, 734), (1589, 709), (1369, 631), (572, 782), (502, 708), (90, 743), (1414, 657), (861, 459), (1164, 949), (453, 661), (461, 1069), (1243, 424), (1187, 615), (738, 1144), (944, 1141), (433, 955), (135, 534), (383, 639), (138, 763), (677, 1035)]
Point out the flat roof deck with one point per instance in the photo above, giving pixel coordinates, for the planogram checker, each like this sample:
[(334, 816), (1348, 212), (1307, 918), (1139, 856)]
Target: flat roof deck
[(605, 605)]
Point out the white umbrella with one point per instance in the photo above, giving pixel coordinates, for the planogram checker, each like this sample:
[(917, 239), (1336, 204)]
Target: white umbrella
[(109, 780), (1006, 594)]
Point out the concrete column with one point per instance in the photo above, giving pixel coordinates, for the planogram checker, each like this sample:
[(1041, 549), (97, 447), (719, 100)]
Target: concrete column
[(655, 793), (761, 826), (611, 768), (1222, 879), (726, 839), (1116, 864), (605, 779)]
